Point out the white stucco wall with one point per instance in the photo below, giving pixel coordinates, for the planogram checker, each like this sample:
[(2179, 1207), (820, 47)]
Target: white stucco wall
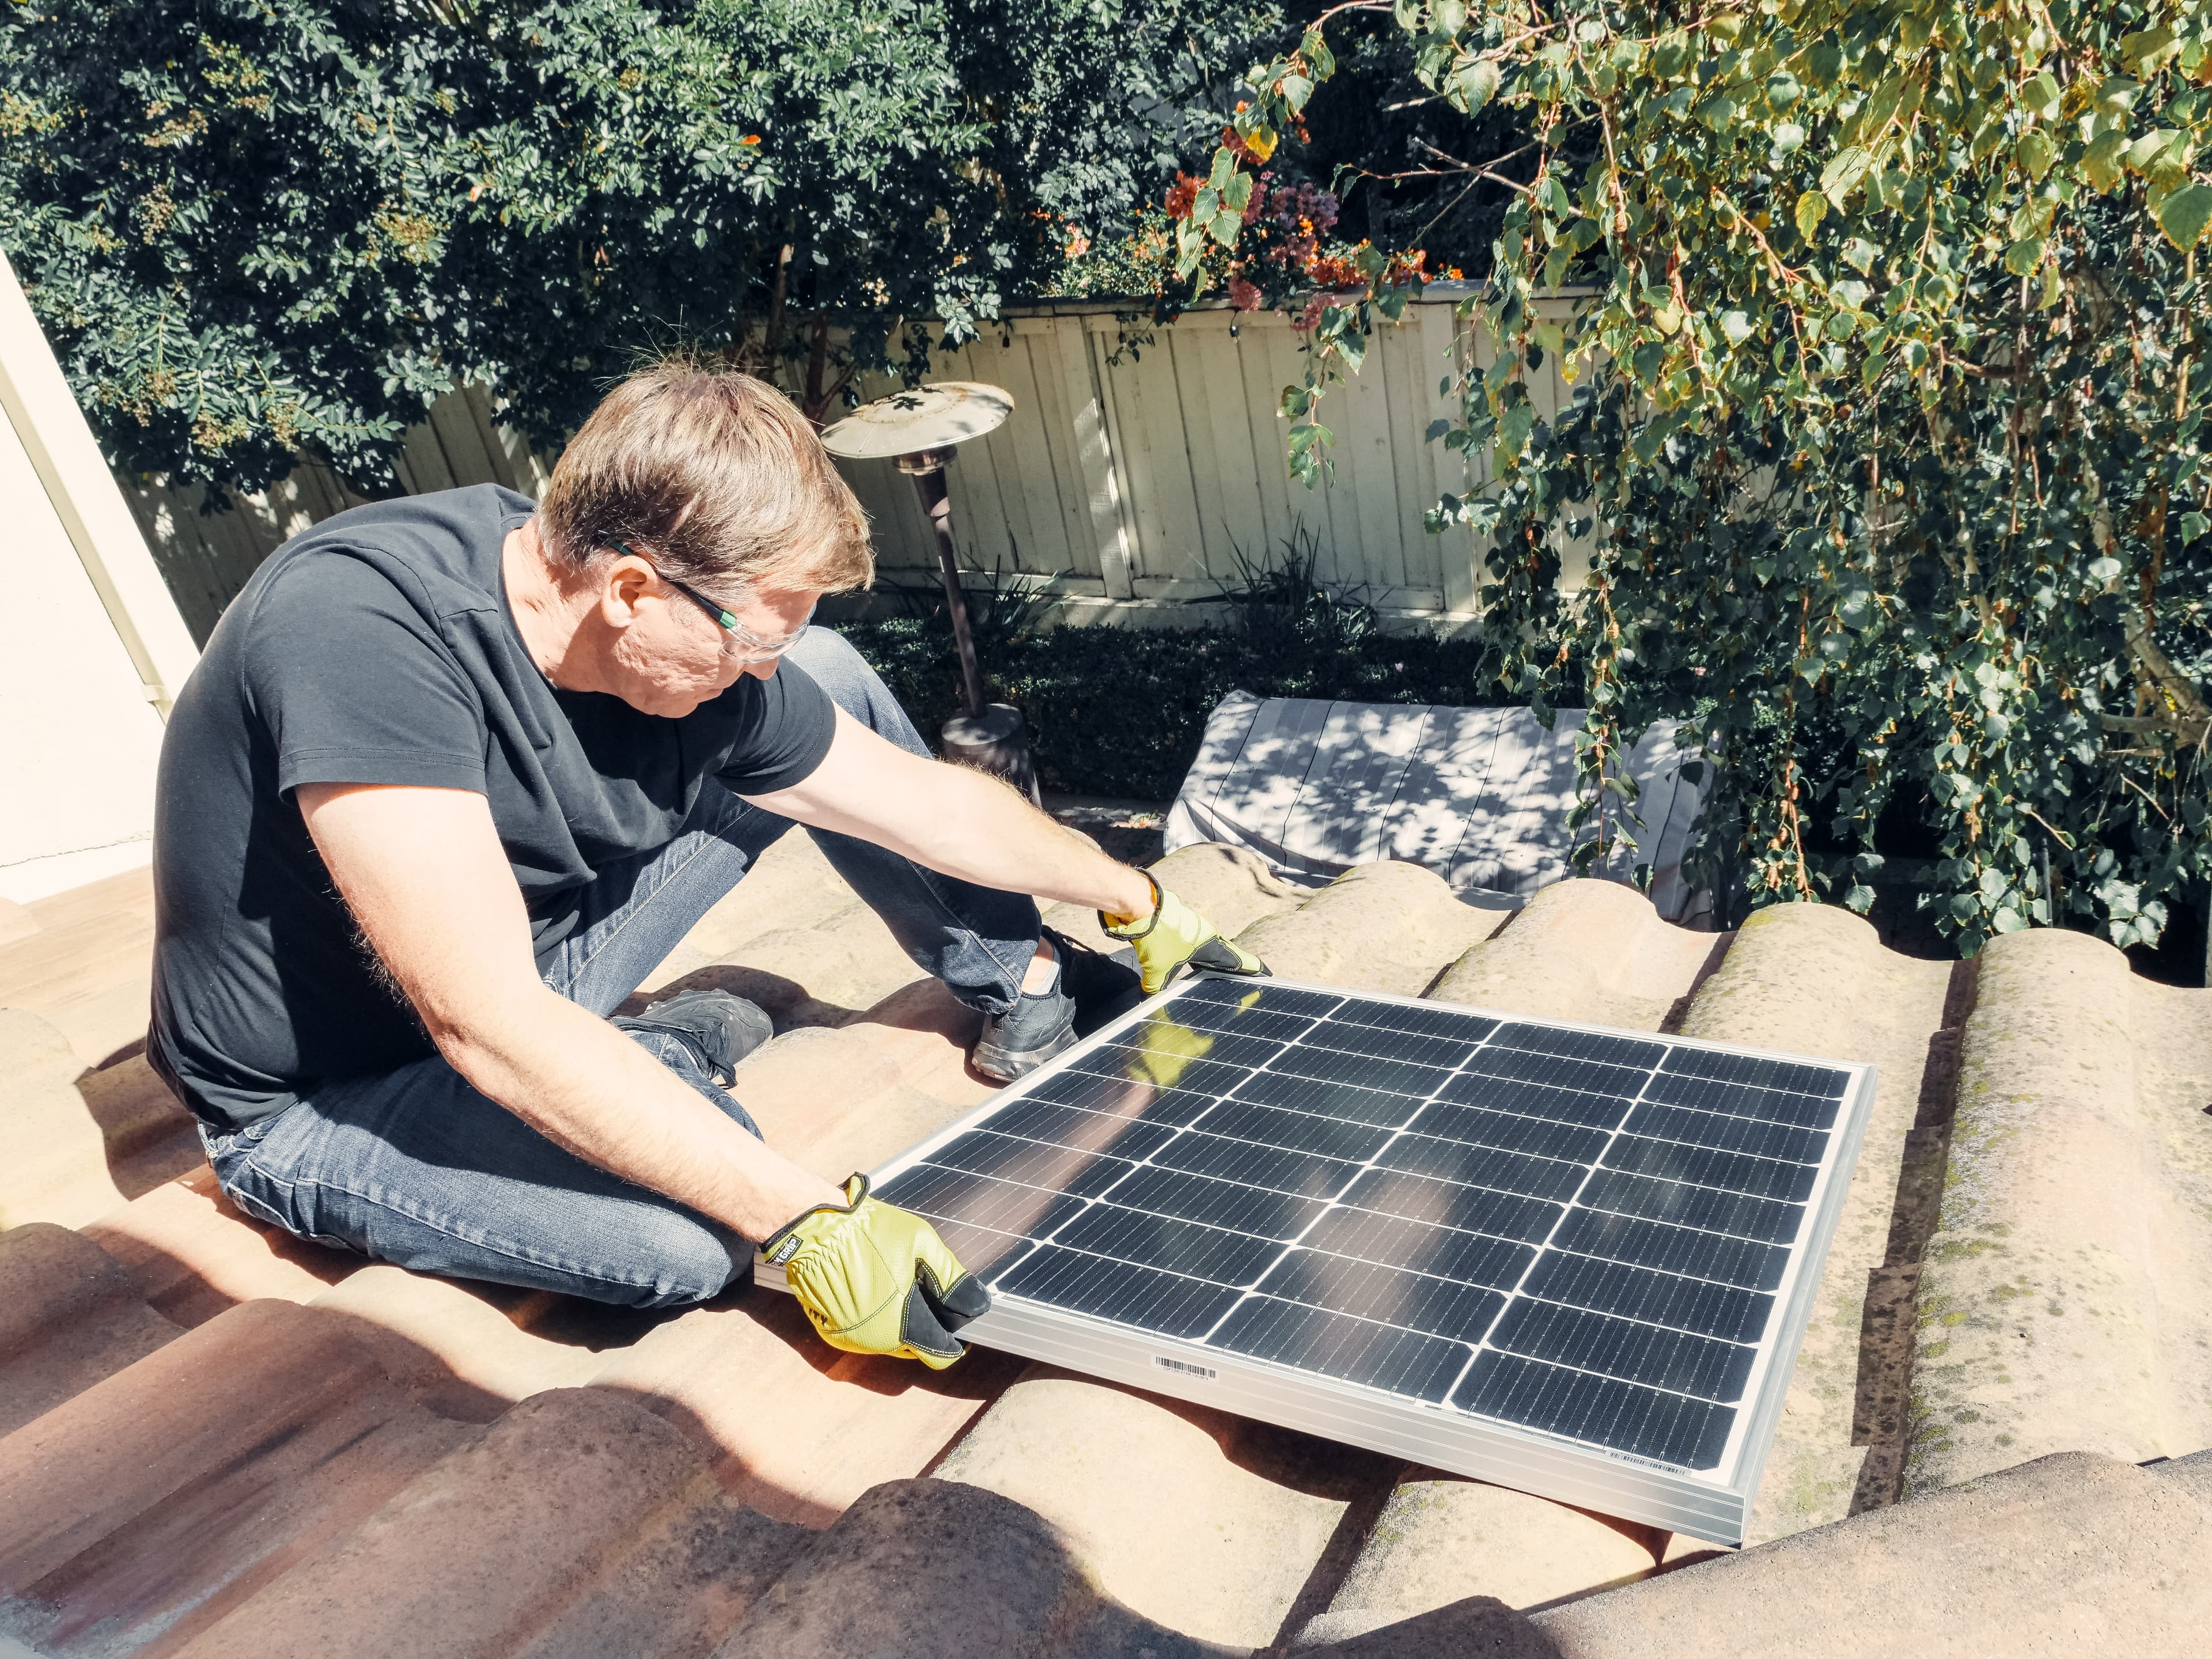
[(90, 641)]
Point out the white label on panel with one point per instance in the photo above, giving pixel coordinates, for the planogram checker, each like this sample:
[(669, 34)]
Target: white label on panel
[(1183, 1367)]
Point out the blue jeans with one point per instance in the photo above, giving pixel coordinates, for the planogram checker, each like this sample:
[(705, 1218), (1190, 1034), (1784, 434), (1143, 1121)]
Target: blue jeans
[(416, 1167)]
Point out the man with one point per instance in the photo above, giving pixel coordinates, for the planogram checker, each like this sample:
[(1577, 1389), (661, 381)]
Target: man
[(456, 773)]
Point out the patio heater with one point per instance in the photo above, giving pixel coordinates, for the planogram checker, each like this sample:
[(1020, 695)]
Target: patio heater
[(916, 431)]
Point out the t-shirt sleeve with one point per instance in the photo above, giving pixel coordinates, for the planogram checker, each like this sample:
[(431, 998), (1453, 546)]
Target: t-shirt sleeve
[(355, 684), (787, 739)]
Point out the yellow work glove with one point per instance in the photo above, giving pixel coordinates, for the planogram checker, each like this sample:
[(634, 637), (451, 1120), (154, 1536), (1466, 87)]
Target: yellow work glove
[(1175, 935), (876, 1278)]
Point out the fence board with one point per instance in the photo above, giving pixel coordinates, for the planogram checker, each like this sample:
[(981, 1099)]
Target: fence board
[(1371, 557), (1055, 434), (1259, 378), (422, 466), (1243, 446), (1445, 354), (1097, 466), (452, 423), (982, 510), (1155, 450), (1027, 475), (1021, 454), (1222, 466), (1413, 489)]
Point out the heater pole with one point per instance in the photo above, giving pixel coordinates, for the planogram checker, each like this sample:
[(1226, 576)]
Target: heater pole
[(927, 469)]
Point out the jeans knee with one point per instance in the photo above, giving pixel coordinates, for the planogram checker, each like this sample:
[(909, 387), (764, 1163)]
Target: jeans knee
[(830, 661), (828, 657), (687, 1260)]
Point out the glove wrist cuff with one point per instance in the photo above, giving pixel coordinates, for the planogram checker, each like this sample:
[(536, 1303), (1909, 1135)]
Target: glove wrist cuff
[(780, 1246), (1130, 931)]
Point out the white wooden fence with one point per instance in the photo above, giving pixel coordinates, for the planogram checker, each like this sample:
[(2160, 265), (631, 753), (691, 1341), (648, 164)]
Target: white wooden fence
[(1129, 476)]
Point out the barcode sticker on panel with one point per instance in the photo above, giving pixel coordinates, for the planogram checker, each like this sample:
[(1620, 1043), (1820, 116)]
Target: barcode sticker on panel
[(1183, 1367)]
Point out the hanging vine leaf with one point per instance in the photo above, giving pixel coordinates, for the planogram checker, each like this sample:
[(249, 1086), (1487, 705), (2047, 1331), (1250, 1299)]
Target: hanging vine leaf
[(2183, 214)]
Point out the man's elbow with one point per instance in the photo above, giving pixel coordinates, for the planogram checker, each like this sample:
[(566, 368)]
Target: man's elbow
[(482, 1036)]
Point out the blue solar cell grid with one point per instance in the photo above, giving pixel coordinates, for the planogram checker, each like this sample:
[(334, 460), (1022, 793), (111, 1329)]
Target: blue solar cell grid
[(1571, 1231)]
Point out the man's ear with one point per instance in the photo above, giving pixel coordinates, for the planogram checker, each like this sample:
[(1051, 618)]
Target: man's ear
[(623, 585)]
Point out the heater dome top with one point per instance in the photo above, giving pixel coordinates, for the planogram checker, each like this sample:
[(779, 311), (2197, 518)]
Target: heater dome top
[(922, 418)]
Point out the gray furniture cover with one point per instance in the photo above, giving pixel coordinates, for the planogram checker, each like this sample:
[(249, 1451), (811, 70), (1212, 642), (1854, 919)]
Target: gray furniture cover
[(1478, 795)]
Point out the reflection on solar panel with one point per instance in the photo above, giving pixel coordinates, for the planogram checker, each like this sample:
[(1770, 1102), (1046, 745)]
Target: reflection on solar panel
[(1572, 1261)]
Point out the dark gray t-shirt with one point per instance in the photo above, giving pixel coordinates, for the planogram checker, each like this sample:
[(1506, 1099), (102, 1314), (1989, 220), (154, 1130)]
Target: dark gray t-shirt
[(378, 648)]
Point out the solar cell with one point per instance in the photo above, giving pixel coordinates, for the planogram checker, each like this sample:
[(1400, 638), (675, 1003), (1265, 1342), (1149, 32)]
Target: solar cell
[(1331, 1344), (1302, 1094), (1573, 1259), (1389, 1295)]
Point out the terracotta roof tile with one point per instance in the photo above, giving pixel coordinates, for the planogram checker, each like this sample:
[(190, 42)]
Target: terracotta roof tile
[(2064, 1303), (69, 1317), (925, 1568), (86, 968), (2072, 1553), (792, 1426), (1584, 950), (59, 1167), (1815, 980), (192, 1254), (1390, 928), (576, 1518), (175, 1488), (470, 1351), (1202, 1522), (1442, 1540)]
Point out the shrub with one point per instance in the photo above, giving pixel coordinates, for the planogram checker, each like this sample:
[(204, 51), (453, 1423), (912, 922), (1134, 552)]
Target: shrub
[(1119, 711)]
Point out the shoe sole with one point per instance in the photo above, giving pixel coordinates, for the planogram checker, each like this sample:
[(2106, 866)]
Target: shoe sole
[(1011, 1064)]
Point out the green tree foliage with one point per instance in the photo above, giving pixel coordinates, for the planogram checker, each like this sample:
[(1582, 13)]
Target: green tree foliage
[(1885, 444), (256, 225), (230, 222)]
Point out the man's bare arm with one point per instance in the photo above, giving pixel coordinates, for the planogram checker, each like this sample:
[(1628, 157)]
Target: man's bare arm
[(954, 820), (423, 873)]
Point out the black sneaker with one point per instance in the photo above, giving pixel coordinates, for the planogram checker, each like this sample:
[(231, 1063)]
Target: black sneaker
[(717, 1028), (1039, 1025), (1088, 990), (1102, 984)]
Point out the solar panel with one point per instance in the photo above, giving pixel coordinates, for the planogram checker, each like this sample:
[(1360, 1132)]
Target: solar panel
[(1572, 1261)]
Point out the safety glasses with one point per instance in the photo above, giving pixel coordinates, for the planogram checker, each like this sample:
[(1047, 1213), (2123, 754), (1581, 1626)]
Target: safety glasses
[(737, 640)]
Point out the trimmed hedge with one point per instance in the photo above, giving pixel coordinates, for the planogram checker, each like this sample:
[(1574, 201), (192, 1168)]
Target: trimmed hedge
[(1119, 711)]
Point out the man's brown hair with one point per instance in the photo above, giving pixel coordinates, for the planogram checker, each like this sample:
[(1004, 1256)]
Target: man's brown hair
[(714, 476)]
